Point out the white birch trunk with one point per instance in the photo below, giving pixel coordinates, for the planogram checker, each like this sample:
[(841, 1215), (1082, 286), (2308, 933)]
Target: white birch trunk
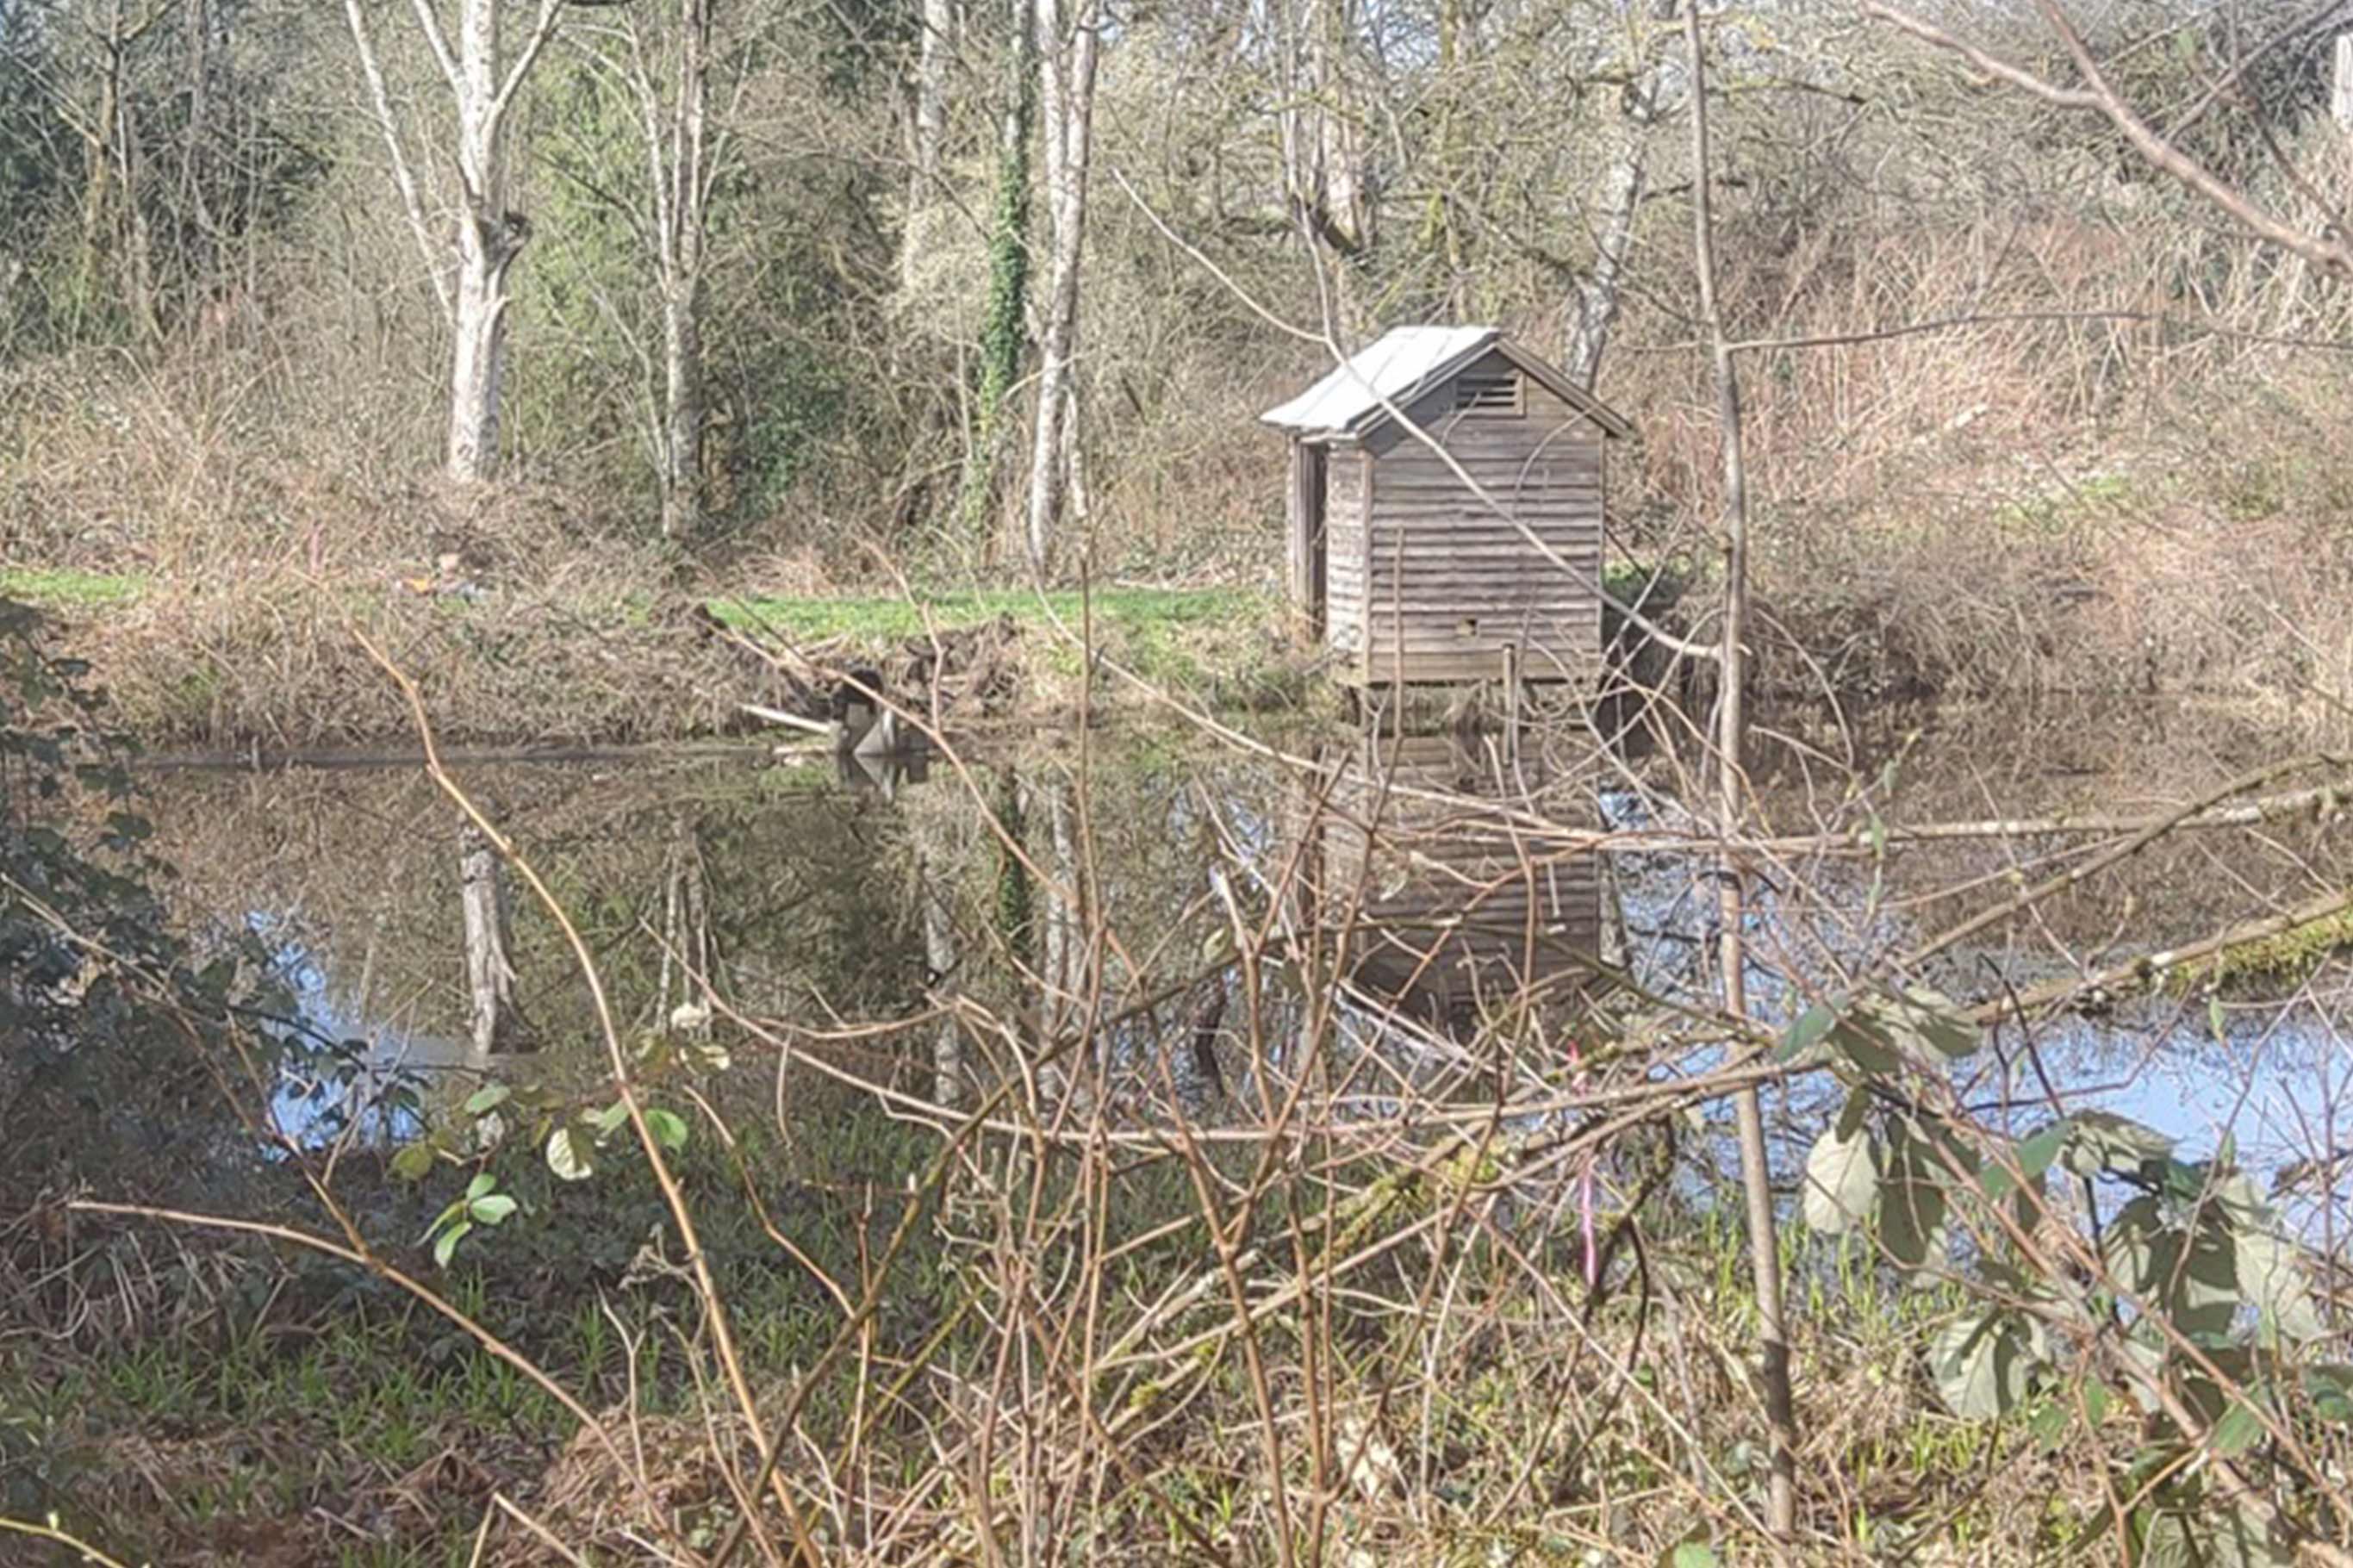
[(1593, 305), (486, 236), (934, 51), (1066, 82), (1323, 141)]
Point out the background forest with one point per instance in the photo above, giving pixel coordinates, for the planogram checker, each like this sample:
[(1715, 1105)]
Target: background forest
[(769, 296)]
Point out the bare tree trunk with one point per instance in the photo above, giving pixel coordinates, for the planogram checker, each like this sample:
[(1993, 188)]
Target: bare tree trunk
[(932, 53), (489, 973), (483, 85), (477, 366), (1326, 163), (1764, 1254), (1594, 306), (1066, 78), (681, 186)]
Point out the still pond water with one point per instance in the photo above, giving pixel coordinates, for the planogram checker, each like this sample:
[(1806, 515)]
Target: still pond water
[(823, 894)]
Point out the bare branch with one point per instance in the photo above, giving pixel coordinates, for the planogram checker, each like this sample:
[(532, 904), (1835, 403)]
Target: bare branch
[(2098, 96)]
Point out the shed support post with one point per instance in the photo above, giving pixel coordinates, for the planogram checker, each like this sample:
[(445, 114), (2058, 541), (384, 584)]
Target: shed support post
[(1512, 703)]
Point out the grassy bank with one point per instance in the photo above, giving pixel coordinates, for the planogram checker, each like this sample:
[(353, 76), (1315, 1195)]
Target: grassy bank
[(583, 653)]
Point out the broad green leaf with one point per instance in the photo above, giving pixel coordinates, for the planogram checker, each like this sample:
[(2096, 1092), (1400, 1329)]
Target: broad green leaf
[(1911, 1200), (448, 1242), (1851, 1114), (1841, 1182), (414, 1162), (1982, 1365), (2103, 1141), (482, 1184), (2212, 1536), (1864, 1041), (1690, 1554), (1928, 1021), (609, 1119), (490, 1210), (2032, 1156), (1812, 1024), (571, 1154), (2268, 1277), (2239, 1430), (667, 1127), (490, 1096)]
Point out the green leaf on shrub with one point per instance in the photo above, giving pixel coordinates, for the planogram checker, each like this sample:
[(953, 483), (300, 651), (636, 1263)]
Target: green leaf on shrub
[(1912, 1202), (1928, 1021), (2239, 1430), (2103, 1141), (571, 1154), (490, 1210), (2269, 1278), (1841, 1182), (490, 1096), (1982, 1365), (1812, 1024), (667, 1127), (448, 1244), (2031, 1156), (414, 1162), (2330, 1389)]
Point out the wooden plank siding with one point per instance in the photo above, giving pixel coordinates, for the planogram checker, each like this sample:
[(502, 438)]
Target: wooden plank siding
[(1447, 584), (1344, 532)]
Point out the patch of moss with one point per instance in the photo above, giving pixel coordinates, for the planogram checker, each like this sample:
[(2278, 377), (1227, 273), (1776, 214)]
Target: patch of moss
[(2271, 962)]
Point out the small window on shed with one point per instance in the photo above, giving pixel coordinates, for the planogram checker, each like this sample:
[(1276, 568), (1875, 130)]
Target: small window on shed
[(1489, 392)]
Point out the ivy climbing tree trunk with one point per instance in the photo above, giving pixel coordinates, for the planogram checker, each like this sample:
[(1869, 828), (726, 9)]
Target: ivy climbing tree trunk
[(1732, 783), (1066, 75), (1003, 320), (482, 81)]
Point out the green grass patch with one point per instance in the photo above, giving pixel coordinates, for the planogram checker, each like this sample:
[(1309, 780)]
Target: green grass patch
[(66, 588), (1123, 609), (1210, 641)]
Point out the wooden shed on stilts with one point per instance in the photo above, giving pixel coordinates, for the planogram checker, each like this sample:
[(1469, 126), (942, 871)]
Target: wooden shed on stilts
[(1446, 507)]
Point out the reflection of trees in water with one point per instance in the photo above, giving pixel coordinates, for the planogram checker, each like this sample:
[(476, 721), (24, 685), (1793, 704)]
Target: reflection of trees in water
[(804, 902)]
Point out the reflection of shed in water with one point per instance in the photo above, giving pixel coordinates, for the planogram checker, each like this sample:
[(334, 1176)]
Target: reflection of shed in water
[(1455, 907)]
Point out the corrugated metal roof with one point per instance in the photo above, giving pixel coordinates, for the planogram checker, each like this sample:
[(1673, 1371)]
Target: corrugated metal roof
[(1391, 370)]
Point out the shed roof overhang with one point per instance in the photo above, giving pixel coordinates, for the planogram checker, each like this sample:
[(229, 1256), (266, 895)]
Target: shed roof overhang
[(1373, 388)]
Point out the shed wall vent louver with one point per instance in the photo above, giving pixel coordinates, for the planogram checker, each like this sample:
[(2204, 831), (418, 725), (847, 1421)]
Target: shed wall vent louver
[(1494, 392)]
